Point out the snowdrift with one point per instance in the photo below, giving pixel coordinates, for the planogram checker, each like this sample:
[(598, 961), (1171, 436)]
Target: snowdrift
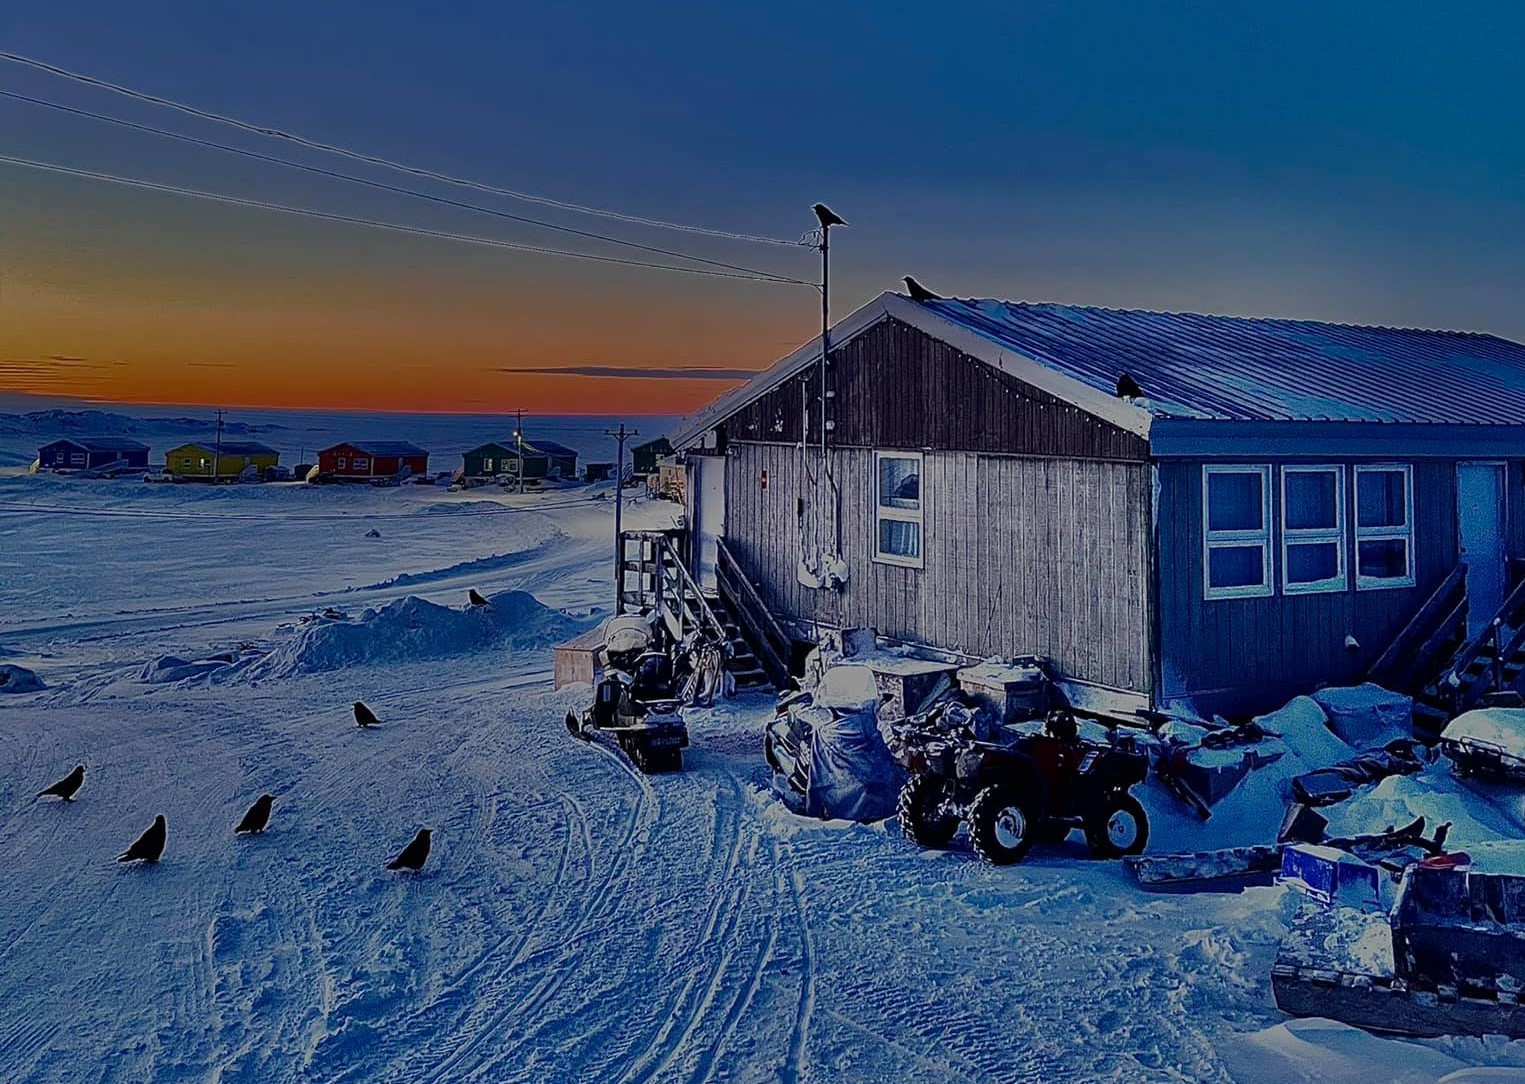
[(411, 628)]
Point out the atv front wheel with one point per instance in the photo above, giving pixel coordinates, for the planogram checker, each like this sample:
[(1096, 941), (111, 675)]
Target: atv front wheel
[(771, 755), (1119, 827), (921, 813), (574, 727), (1002, 824)]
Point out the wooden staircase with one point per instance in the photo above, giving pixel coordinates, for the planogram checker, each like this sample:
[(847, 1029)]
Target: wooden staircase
[(654, 576), (1446, 671)]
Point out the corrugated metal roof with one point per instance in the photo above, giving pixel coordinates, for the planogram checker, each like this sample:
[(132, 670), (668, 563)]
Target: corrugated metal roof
[(232, 447), (1239, 368), (550, 447)]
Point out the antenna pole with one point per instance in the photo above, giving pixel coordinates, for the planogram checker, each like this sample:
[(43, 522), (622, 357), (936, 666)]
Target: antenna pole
[(519, 444), (217, 453), (621, 435)]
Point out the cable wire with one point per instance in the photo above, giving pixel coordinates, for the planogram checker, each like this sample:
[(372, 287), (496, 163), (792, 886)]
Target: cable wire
[(420, 231), (381, 185), (376, 160)]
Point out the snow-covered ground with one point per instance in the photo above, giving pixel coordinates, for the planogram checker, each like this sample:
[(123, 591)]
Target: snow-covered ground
[(576, 922)]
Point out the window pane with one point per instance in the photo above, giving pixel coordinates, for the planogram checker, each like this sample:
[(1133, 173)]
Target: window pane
[(897, 538), (1235, 566), (1235, 502), (1383, 559), (1312, 500), (899, 483), (1380, 499), (1313, 562)]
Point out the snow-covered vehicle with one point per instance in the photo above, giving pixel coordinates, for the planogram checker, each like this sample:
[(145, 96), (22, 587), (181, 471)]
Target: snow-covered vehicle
[(636, 701), (1013, 791)]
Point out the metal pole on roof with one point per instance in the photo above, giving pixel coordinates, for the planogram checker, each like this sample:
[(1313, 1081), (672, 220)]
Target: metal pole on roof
[(217, 451), (827, 218)]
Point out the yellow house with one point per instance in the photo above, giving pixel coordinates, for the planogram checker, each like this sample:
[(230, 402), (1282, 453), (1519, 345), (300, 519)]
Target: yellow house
[(195, 460)]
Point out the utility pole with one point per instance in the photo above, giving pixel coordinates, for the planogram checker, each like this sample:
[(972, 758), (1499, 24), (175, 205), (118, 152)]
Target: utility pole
[(217, 452), (827, 218), (621, 435), (519, 444)]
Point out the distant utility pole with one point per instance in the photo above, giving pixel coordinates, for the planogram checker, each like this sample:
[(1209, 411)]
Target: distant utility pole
[(621, 435), (519, 444), (217, 452)]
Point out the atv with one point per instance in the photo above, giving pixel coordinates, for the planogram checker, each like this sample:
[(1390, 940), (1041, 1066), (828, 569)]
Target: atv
[(1012, 792), (636, 703)]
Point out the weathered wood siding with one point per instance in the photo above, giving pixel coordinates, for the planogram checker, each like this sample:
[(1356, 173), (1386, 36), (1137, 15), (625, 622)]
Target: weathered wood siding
[(1022, 555), (897, 387), (1251, 654)]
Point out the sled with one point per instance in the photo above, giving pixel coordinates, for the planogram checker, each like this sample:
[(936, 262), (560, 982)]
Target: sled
[(1203, 870), (1386, 1004)]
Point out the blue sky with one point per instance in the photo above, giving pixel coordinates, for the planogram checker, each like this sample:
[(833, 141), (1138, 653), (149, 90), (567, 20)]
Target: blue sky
[(1358, 161)]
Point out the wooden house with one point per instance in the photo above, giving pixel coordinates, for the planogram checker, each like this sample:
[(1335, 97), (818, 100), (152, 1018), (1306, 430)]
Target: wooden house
[(93, 453), (542, 459), (364, 460), (489, 460), (207, 460), (1173, 508)]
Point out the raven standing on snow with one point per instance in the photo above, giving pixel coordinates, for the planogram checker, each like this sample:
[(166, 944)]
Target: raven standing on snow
[(415, 854), (66, 787), (476, 597), (364, 716), (149, 846), (257, 817)]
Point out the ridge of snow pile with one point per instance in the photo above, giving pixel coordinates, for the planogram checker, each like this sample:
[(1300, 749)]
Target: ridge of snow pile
[(412, 628), (171, 668), (1435, 796), (18, 679), (1367, 716)]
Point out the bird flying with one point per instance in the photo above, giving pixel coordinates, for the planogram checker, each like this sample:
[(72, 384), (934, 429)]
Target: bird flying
[(476, 597), (66, 787), (149, 846), (364, 716), (258, 816), (415, 854)]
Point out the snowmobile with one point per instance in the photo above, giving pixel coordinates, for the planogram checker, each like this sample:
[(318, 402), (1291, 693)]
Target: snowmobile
[(1013, 792), (636, 703)]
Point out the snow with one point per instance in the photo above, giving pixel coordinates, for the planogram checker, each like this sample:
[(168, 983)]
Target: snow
[(1367, 716), (18, 679), (576, 921), (1502, 727)]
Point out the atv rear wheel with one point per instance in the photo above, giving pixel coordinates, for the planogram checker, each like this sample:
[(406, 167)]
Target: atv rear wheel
[(921, 813), (1002, 824), (1119, 827)]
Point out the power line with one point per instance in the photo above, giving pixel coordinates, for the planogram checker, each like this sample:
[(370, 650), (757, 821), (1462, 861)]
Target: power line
[(355, 220), (381, 185), (376, 160)]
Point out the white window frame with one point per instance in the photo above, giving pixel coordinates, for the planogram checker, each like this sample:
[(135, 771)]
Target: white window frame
[(903, 515), (360, 462), (339, 462), (1382, 534), (1336, 535), (1212, 539)]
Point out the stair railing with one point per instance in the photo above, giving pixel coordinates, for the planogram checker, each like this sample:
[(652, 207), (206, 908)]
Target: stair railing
[(749, 609), (1430, 625), (1507, 616)]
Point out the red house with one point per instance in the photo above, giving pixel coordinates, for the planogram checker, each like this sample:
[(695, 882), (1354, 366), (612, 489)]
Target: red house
[(362, 460)]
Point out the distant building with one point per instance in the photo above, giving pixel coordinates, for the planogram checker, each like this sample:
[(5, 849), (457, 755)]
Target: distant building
[(644, 457), (195, 460), (93, 453), (489, 461), (363, 460), (542, 459)]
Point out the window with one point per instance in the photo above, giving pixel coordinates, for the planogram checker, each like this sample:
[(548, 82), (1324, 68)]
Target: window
[(1313, 529), (1236, 531), (1384, 526), (897, 508), (339, 463), (361, 463), (487, 465)]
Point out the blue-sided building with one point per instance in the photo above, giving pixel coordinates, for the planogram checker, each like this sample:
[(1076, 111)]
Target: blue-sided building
[(93, 453), (1172, 507)]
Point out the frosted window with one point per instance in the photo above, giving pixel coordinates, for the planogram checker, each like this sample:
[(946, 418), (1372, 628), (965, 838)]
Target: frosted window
[(898, 508)]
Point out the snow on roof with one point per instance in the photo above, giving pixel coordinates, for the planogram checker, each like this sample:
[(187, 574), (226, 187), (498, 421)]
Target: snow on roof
[(103, 444), (381, 447), (550, 447), (233, 447), (1193, 366), (1240, 368)]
